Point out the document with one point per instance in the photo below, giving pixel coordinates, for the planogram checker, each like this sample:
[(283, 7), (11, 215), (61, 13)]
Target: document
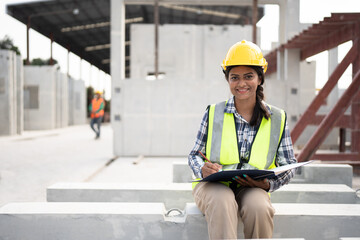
[(256, 174)]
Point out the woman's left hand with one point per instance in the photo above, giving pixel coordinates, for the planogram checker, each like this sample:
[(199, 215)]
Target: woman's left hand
[(247, 181)]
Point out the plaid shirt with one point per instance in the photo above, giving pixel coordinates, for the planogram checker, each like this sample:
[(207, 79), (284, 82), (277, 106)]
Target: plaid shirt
[(246, 135)]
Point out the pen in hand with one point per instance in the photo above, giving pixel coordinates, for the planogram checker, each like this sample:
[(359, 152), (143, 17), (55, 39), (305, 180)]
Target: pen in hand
[(207, 159)]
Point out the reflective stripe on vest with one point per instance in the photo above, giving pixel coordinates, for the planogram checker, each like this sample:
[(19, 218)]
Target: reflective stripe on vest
[(222, 146)]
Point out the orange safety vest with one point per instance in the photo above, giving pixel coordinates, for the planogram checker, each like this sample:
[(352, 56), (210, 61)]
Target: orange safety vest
[(95, 106)]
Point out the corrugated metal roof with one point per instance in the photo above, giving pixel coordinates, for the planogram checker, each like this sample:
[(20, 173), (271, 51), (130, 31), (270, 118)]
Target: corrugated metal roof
[(87, 34)]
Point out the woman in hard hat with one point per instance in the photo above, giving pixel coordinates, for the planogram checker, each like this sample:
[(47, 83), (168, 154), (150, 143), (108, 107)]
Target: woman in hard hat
[(243, 132)]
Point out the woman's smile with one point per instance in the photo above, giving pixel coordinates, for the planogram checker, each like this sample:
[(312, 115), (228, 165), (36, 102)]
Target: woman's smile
[(242, 90)]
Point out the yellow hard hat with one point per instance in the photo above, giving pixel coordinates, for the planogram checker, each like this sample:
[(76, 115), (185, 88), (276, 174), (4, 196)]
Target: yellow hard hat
[(98, 92), (244, 53)]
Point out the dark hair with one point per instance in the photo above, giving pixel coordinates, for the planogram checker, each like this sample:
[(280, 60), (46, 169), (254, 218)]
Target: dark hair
[(260, 110)]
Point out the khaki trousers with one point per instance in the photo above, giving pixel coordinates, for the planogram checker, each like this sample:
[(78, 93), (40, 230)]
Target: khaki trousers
[(222, 207)]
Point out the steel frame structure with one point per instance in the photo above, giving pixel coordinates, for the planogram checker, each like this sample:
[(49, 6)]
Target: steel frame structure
[(327, 34)]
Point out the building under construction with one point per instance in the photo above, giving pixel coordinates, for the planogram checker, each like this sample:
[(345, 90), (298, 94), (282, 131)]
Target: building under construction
[(164, 59)]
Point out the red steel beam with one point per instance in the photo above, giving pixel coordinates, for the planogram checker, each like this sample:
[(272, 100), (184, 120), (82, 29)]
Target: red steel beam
[(339, 156), (343, 122), (336, 156), (310, 112), (345, 17), (332, 40), (328, 123), (342, 162)]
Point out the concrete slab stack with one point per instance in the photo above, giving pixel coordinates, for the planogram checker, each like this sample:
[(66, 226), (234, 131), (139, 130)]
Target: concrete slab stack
[(76, 101), (176, 195), (151, 221), (8, 93), (336, 204), (40, 97), (165, 211)]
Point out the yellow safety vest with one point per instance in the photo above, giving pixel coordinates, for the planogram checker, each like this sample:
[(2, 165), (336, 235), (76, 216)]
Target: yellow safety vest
[(222, 144)]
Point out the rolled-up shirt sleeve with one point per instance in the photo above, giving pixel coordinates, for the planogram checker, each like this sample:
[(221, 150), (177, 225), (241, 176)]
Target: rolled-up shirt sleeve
[(285, 155), (195, 161)]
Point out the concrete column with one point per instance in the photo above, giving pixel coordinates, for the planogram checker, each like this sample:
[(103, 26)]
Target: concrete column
[(282, 21), (289, 24), (7, 83), (292, 81), (332, 139), (280, 65), (355, 106), (332, 64), (117, 65)]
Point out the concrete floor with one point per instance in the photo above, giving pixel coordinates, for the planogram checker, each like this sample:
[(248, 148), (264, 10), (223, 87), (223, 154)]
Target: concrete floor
[(37, 159)]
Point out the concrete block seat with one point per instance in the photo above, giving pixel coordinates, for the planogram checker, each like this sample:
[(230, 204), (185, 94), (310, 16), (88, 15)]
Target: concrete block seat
[(311, 173), (33, 221), (324, 173), (172, 195), (176, 195), (315, 193)]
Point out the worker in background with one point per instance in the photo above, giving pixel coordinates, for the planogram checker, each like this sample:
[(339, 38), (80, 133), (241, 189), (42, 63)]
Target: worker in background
[(243, 132), (96, 109)]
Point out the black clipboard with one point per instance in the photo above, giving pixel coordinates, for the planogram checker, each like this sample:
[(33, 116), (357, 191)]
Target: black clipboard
[(255, 174)]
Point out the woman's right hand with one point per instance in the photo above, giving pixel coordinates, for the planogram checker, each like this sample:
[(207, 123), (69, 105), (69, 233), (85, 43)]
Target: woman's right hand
[(210, 168)]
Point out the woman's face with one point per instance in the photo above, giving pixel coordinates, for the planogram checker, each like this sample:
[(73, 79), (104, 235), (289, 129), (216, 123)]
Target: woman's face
[(243, 82)]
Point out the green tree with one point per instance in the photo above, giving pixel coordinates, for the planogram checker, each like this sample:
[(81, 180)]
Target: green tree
[(7, 43), (40, 62)]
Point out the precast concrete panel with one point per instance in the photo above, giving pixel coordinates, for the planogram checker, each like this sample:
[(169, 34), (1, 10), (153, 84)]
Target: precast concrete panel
[(20, 94), (64, 100), (175, 57), (185, 51), (13, 99), (58, 100), (70, 101), (42, 78), (162, 117), (76, 105), (216, 42), (61, 100), (8, 121), (274, 91), (79, 102)]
